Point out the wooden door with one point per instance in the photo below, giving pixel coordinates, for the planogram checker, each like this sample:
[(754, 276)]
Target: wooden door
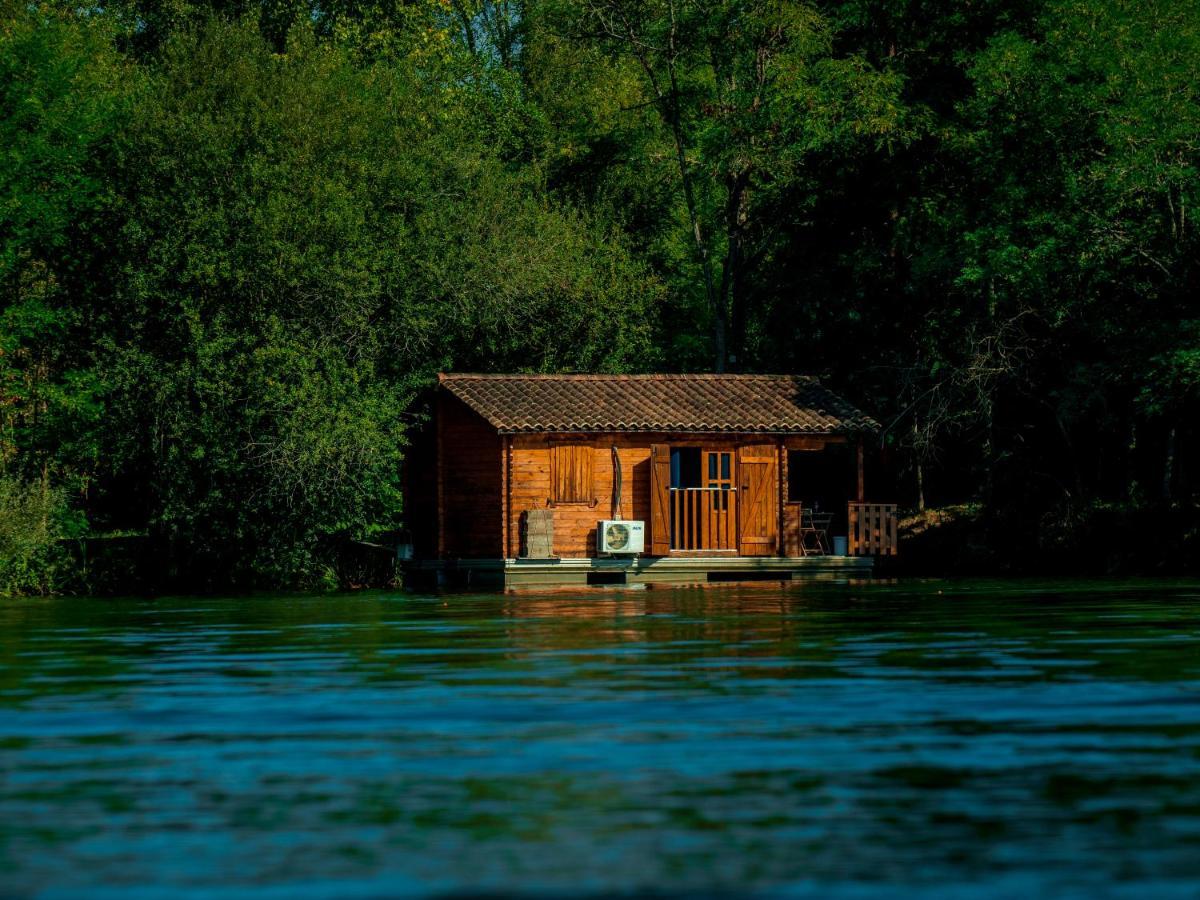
[(660, 500), (758, 511)]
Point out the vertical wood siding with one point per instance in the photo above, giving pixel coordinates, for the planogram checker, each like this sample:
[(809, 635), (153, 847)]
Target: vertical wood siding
[(475, 498), (781, 466), (420, 490), (471, 480), (531, 486), (572, 472), (791, 529)]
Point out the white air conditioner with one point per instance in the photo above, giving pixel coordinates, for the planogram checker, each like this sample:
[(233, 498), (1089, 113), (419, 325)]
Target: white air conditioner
[(621, 536)]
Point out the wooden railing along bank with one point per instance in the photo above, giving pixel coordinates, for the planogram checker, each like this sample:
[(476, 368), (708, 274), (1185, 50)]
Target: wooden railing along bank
[(874, 529)]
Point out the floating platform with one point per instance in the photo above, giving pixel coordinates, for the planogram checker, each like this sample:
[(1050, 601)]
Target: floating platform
[(694, 569)]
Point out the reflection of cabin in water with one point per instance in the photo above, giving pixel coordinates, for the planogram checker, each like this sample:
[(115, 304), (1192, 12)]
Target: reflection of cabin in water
[(732, 476)]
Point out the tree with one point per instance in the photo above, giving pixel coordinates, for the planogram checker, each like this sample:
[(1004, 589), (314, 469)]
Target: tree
[(1141, 63), (309, 238), (63, 96), (746, 93)]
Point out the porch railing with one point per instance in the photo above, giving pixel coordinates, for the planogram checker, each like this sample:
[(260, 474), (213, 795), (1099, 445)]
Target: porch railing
[(703, 518), (874, 529)]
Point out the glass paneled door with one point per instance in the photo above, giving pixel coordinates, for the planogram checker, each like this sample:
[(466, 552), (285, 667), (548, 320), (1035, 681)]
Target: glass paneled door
[(719, 467)]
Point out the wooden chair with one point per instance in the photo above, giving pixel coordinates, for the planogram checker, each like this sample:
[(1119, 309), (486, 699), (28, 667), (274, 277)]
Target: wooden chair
[(814, 532)]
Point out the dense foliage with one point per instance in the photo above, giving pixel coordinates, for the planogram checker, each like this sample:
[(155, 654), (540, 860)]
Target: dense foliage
[(238, 239)]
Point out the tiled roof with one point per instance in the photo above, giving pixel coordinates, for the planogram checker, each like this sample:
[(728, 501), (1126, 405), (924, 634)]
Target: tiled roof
[(771, 404)]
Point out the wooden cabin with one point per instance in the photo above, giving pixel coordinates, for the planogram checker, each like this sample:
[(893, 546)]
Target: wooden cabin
[(731, 477)]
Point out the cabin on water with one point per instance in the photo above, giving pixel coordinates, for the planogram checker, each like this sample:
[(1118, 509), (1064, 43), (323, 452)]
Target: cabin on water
[(601, 479)]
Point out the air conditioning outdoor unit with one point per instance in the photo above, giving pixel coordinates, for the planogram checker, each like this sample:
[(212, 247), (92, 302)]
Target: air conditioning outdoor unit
[(621, 536)]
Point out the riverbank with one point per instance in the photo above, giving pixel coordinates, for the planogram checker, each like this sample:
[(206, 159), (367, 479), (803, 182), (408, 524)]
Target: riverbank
[(961, 540), (1103, 539)]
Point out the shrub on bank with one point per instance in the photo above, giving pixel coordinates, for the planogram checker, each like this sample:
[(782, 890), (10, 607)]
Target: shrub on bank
[(1125, 539), (34, 520)]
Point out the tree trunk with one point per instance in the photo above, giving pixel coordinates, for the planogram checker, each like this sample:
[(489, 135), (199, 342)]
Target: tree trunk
[(468, 27), (738, 215), (720, 349), (730, 296), (668, 107), (918, 468), (46, 497), (1131, 462), (920, 486), (1169, 466)]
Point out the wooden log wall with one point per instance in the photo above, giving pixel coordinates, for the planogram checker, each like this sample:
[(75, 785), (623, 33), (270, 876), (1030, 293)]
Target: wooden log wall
[(467, 487), (471, 488), (791, 529), (530, 483), (420, 491), (530, 487)]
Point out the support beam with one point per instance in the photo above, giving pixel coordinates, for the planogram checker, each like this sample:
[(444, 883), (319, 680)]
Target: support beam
[(861, 492), (781, 466), (506, 494), (441, 477)]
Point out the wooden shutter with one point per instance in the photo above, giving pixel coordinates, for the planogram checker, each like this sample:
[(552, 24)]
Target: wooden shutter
[(572, 473), (758, 513), (660, 510)]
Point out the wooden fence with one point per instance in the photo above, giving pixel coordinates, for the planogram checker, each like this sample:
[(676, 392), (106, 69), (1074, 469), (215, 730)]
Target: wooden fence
[(874, 529), (703, 519)]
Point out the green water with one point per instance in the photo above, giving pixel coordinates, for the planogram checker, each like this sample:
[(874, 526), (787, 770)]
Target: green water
[(967, 739)]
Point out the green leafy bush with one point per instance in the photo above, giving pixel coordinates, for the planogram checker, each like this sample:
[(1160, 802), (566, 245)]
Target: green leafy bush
[(34, 519)]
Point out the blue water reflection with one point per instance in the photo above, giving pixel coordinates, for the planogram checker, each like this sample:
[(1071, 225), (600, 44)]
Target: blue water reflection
[(936, 739)]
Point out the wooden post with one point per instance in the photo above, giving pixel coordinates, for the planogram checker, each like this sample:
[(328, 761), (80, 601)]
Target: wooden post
[(438, 411), (514, 519), (660, 499), (782, 468), (505, 494), (862, 495)]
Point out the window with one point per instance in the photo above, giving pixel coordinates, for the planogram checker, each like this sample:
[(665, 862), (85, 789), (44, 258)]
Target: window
[(720, 477), (571, 473)]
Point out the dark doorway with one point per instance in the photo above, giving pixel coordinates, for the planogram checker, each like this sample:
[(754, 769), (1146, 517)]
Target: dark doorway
[(685, 467), (823, 480)]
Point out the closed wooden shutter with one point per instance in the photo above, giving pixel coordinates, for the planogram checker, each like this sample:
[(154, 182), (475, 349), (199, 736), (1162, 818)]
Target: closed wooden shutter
[(758, 513), (572, 473), (660, 509)]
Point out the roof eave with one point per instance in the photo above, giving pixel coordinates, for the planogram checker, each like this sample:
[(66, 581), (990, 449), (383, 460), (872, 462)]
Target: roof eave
[(805, 432)]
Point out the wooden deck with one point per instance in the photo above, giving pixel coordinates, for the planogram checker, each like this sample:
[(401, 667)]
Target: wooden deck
[(691, 569)]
